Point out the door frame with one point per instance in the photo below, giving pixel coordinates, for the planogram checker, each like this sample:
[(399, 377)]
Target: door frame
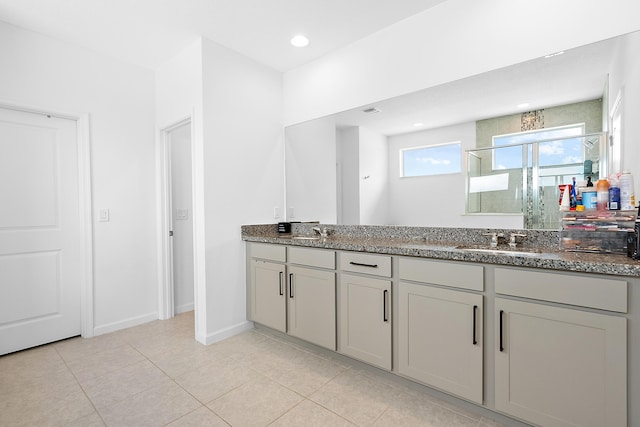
[(83, 139), (166, 309)]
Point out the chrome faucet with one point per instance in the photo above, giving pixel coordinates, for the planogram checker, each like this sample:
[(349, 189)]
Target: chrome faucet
[(494, 238), (322, 232), (513, 242)]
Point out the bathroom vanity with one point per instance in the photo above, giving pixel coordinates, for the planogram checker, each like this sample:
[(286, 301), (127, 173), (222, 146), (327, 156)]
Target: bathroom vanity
[(543, 336)]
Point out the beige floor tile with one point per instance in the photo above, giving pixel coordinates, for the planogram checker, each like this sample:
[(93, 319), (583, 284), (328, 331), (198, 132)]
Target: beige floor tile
[(202, 417), (157, 373), (35, 382), (215, 379), (412, 411), (32, 407), (239, 346), (123, 383), (81, 348), (181, 325), (40, 365), (489, 422), (103, 362), (256, 403), (154, 407), (302, 372), (91, 420), (163, 344), (267, 347), (417, 393), (310, 414), (182, 360), (356, 397)]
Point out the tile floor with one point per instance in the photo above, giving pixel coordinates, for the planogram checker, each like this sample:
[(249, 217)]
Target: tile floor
[(156, 374)]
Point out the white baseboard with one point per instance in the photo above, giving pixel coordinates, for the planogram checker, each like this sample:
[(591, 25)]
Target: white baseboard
[(123, 324), (224, 333), (183, 308)]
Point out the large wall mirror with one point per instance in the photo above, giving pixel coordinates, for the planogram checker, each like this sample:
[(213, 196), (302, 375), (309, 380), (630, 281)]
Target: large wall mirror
[(362, 166)]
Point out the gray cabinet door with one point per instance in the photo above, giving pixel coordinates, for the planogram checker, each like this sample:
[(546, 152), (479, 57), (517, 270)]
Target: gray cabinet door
[(365, 319), (560, 367), (311, 296), (440, 339), (268, 301)]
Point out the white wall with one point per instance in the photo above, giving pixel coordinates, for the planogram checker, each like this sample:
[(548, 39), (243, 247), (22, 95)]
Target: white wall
[(374, 164), (179, 94), (311, 171), (41, 72), (179, 86), (455, 39), (435, 201), (348, 164), (428, 201), (243, 158), (625, 79)]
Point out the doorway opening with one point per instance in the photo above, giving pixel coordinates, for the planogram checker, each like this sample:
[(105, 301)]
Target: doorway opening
[(177, 220)]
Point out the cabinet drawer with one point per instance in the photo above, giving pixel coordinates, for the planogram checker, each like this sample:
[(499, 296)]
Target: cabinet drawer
[(312, 257), (456, 275), (377, 265), (594, 292), (270, 252)]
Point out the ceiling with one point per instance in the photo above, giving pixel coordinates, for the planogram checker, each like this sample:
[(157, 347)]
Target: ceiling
[(150, 32), (578, 74)]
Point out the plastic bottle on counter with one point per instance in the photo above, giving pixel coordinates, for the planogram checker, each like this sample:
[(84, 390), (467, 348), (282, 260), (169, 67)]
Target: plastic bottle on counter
[(614, 192), (627, 197), (565, 204), (602, 189)]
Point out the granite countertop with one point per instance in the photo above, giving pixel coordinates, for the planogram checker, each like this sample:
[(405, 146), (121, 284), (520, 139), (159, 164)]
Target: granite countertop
[(545, 255)]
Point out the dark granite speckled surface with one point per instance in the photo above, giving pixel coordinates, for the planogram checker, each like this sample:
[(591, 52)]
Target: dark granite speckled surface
[(539, 249)]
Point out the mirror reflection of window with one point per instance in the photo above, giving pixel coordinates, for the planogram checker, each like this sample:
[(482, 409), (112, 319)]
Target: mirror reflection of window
[(431, 160), (564, 150)]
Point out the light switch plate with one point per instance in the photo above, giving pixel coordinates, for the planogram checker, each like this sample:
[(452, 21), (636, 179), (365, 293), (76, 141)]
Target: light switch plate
[(104, 215), (182, 214)]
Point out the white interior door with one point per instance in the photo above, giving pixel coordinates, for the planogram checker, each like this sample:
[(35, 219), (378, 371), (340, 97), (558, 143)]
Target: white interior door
[(181, 218), (40, 230)]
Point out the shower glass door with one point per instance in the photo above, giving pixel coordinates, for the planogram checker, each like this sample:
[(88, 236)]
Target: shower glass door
[(522, 172)]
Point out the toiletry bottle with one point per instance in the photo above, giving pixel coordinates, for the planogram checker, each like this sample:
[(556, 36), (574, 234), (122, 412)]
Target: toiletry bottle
[(602, 189), (565, 204), (627, 197), (614, 192)]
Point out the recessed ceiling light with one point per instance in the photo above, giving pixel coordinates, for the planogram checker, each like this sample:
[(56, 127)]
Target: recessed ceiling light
[(299, 41), (523, 105), (418, 124)]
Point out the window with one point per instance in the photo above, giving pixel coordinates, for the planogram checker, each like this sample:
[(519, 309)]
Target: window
[(560, 152), (431, 160)]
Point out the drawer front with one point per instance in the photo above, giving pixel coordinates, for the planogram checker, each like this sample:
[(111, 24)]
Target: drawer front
[(456, 275), (377, 265), (593, 292), (267, 251), (312, 257)]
